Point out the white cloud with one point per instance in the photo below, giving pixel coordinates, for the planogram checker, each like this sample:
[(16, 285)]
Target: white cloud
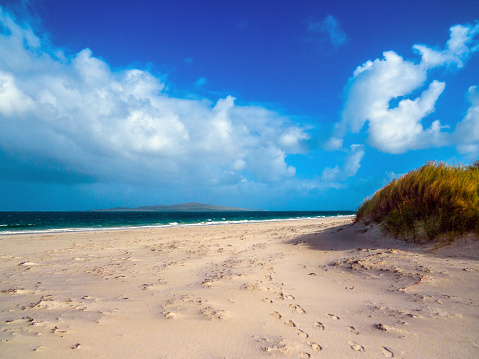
[(273, 170), (376, 83), (353, 162), (12, 100), (93, 122), (330, 26), (458, 48), (467, 131), (350, 167), (399, 129)]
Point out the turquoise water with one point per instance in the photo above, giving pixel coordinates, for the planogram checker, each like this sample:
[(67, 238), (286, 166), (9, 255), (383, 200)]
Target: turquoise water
[(45, 222)]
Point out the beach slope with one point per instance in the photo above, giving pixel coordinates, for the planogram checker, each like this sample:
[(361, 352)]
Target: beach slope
[(293, 289)]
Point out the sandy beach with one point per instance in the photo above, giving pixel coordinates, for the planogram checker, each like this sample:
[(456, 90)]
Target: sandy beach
[(293, 289)]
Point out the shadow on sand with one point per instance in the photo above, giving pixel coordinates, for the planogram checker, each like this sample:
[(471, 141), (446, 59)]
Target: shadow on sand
[(361, 237), (347, 237)]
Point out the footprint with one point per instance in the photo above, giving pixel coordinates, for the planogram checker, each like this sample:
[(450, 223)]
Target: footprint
[(302, 334), (211, 313), (298, 308), (334, 317), (290, 323), (304, 355), (319, 325), (356, 346), (386, 352), (276, 315), (290, 297), (353, 330), (40, 348), (171, 315), (55, 330), (315, 346), (267, 300)]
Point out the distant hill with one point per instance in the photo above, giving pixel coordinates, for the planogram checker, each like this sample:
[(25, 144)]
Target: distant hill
[(184, 207)]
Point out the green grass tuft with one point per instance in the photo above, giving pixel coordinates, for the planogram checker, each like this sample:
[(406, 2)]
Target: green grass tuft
[(434, 201)]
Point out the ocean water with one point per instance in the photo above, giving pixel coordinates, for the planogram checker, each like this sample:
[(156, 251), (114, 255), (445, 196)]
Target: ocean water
[(47, 222)]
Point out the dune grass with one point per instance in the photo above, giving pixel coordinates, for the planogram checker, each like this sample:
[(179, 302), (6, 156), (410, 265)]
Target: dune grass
[(433, 202)]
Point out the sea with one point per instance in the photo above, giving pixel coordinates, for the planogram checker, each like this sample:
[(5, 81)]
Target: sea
[(12, 223)]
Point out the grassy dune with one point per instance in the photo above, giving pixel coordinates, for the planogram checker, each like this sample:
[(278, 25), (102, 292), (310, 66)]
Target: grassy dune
[(436, 201)]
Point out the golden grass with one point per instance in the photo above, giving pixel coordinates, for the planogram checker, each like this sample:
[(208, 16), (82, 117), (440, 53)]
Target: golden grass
[(433, 201)]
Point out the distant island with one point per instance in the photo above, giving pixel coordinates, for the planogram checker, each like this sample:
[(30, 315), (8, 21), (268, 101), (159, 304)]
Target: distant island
[(183, 207)]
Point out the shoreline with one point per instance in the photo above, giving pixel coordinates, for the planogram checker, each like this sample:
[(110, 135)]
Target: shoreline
[(292, 289), (160, 226)]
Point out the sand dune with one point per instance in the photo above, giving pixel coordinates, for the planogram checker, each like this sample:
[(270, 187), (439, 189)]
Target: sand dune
[(300, 289)]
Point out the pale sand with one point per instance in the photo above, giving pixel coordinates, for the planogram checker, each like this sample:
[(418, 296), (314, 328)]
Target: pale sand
[(292, 289)]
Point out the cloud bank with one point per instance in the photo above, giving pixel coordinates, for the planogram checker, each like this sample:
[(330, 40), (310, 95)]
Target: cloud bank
[(72, 118), (377, 84)]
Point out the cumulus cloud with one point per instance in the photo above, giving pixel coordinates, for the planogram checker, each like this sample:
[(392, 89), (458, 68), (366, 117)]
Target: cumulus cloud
[(332, 28), (91, 122), (375, 84), (459, 47), (467, 131)]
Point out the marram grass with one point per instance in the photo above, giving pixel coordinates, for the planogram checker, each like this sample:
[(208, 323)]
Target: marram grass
[(432, 202)]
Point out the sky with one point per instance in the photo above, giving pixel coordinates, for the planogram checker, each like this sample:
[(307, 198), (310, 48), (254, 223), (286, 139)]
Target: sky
[(276, 105)]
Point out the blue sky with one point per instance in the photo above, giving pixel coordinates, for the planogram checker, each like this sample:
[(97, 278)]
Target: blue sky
[(276, 105)]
